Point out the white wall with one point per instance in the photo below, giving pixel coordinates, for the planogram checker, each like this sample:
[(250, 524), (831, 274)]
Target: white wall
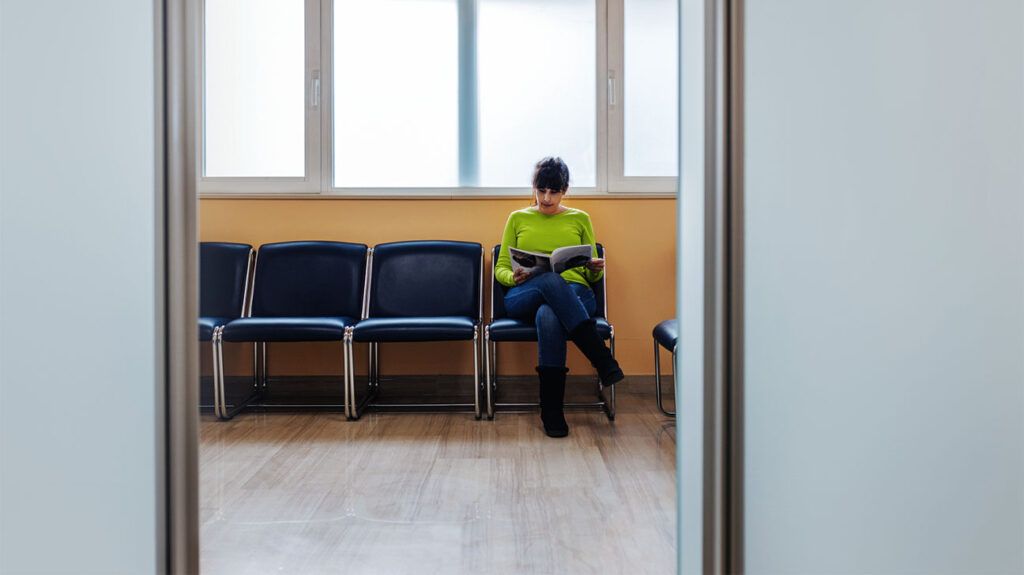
[(885, 286), (77, 293)]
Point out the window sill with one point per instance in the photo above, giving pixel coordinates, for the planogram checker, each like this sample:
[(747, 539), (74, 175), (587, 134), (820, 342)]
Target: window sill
[(433, 195)]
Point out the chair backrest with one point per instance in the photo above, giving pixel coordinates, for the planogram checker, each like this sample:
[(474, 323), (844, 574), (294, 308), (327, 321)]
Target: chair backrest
[(498, 291), (319, 279), (426, 278), (223, 278)]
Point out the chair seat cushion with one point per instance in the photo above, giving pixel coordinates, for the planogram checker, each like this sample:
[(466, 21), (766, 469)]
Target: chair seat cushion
[(666, 333), (288, 328), (208, 324), (508, 329), (444, 328)]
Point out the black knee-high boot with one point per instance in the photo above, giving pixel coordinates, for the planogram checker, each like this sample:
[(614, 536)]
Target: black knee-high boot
[(552, 400), (586, 338)]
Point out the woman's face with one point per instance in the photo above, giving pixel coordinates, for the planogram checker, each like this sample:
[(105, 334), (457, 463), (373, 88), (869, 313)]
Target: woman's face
[(548, 201)]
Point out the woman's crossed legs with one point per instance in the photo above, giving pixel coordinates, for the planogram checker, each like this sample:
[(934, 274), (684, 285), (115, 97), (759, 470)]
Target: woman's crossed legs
[(557, 307)]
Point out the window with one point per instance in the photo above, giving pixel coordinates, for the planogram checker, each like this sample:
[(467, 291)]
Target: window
[(260, 105), (396, 94), (650, 86), (437, 97), (255, 107), (537, 68)]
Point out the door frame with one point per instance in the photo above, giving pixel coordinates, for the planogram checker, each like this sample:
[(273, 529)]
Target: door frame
[(177, 282), (710, 227), (710, 263)]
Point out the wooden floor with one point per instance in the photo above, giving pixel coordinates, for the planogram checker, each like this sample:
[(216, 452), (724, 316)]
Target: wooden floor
[(433, 493)]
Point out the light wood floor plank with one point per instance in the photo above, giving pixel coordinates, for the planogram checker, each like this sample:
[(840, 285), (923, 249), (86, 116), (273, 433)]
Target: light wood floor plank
[(439, 493)]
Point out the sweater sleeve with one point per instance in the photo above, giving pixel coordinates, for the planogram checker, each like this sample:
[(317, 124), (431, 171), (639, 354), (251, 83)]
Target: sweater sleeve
[(588, 238), (503, 267)]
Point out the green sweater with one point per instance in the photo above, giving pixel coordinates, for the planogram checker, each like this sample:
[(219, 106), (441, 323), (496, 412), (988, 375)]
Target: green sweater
[(530, 230)]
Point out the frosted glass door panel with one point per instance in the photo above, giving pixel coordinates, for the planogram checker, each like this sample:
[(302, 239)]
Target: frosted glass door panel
[(650, 88), (254, 73), (536, 69), (396, 93), (884, 241), (83, 479)]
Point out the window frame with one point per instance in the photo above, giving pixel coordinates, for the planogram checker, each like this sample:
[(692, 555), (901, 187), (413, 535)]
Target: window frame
[(319, 179), (615, 73), (310, 182)]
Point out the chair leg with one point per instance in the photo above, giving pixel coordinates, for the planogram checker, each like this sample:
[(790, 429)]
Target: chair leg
[(657, 377), (216, 375), (255, 365), (242, 405), (494, 365), (494, 376), (476, 371), (488, 374), (673, 412), (344, 377), (356, 406), (375, 385), (369, 364), (350, 389), (265, 371), (657, 380), (218, 338)]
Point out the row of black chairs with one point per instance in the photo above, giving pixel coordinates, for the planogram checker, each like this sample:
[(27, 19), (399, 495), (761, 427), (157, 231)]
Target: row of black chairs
[(415, 291)]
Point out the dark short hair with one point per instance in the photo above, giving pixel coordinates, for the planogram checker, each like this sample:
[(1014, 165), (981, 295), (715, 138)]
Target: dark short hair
[(551, 174)]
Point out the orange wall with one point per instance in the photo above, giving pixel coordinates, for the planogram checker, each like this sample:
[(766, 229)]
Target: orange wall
[(639, 235)]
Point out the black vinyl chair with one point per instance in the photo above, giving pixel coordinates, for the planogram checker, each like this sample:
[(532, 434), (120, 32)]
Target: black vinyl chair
[(301, 291), (419, 291), (666, 334), (503, 328), (223, 286)]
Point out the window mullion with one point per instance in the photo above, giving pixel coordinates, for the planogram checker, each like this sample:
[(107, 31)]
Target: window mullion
[(615, 33), (314, 97), (469, 148), (601, 95), (326, 175)]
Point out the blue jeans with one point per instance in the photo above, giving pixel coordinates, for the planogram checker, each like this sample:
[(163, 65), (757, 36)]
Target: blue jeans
[(556, 307)]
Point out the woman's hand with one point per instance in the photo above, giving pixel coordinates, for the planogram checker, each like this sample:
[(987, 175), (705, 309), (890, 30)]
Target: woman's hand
[(595, 264), (520, 276)]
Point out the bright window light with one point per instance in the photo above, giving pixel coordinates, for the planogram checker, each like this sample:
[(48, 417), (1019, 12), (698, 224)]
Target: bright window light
[(536, 67), (396, 90), (650, 88), (254, 89)]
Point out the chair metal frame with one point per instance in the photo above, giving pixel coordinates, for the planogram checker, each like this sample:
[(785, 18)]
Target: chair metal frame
[(219, 407), (260, 363), (357, 407), (605, 403), (657, 374)]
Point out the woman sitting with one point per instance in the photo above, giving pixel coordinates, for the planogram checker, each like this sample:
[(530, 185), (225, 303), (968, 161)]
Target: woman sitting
[(560, 305)]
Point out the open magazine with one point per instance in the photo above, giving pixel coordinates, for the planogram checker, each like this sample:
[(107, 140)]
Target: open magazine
[(557, 261)]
